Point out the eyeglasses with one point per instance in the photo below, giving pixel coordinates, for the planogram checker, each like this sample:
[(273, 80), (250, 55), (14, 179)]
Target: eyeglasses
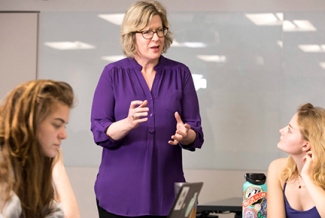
[(148, 34)]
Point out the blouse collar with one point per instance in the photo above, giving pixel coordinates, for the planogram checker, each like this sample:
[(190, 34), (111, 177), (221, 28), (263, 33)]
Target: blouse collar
[(137, 66)]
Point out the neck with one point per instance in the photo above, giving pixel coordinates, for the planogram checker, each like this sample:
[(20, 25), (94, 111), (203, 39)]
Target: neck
[(147, 65), (299, 162)]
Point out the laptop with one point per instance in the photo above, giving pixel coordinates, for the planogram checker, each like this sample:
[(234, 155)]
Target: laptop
[(186, 199)]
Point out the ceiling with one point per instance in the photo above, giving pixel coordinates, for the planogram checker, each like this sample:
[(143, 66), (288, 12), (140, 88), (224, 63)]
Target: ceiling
[(172, 5)]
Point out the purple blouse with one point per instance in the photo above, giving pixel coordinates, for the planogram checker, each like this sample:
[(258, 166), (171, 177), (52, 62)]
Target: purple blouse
[(137, 173)]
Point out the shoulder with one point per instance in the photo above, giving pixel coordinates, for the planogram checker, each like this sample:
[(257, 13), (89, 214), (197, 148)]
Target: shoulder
[(119, 68), (123, 64), (277, 164), (172, 64), (13, 207), (275, 169), (56, 210)]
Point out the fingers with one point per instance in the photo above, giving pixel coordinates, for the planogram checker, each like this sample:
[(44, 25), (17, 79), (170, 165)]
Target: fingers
[(179, 136), (307, 159), (181, 133), (140, 115), (187, 127), (138, 118), (143, 104), (309, 153), (173, 141), (308, 156), (138, 103), (178, 117), (180, 125), (138, 112), (181, 130)]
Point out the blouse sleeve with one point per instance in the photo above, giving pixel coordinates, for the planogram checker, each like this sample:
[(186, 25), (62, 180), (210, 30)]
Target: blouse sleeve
[(102, 112), (191, 111)]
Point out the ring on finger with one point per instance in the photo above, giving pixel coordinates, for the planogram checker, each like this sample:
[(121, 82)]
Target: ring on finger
[(133, 116)]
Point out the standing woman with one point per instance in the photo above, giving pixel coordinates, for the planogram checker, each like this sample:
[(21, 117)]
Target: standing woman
[(296, 185), (145, 111), (33, 118)]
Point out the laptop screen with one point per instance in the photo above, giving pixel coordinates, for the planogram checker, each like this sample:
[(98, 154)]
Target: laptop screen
[(186, 198)]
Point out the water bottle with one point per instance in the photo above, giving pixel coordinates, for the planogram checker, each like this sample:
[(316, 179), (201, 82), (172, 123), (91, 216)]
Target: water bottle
[(254, 196)]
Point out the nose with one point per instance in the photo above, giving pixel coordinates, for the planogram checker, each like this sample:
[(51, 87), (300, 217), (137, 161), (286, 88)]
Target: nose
[(63, 134), (281, 131), (155, 36)]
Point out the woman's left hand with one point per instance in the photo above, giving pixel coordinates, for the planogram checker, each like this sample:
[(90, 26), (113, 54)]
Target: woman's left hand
[(181, 130)]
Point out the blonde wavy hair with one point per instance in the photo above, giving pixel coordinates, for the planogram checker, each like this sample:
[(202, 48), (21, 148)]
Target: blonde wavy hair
[(24, 169), (311, 122), (136, 18)]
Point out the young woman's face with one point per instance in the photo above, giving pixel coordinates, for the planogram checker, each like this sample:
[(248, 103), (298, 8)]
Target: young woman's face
[(51, 131), (150, 49), (291, 140)]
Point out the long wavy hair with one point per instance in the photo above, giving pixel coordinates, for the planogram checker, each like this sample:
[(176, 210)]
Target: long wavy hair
[(137, 17), (24, 168), (311, 122)]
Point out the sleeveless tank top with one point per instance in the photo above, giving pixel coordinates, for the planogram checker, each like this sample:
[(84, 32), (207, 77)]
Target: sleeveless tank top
[(292, 213)]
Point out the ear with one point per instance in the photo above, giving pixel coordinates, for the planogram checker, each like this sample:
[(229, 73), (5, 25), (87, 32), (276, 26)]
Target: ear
[(306, 147)]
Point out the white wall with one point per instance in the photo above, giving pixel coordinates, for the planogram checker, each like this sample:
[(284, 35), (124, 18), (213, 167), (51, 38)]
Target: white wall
[(18, 49)]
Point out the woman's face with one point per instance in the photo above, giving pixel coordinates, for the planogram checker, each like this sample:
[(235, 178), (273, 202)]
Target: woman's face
[(51, 131), (149, 49), (291, 140)]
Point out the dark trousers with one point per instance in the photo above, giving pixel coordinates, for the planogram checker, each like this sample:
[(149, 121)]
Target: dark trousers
[(105, 214)]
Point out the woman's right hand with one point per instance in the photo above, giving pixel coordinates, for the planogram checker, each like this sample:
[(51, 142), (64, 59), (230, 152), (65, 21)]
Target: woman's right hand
[(138, 112)]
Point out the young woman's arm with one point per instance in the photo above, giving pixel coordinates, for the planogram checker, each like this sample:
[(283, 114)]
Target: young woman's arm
[(63, 188), (275, 199), (316, 192)]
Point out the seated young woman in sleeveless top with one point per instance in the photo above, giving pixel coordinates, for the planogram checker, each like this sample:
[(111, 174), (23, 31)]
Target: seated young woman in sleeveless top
[(296, 184)]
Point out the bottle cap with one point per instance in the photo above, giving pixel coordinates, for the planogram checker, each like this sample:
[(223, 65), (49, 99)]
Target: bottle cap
[(255, 178)]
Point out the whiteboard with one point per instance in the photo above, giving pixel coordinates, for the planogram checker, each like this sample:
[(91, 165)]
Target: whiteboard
[(250, 78)]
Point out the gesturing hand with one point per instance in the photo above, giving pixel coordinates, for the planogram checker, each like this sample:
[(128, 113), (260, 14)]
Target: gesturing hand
[(181, 130), (138, 112)]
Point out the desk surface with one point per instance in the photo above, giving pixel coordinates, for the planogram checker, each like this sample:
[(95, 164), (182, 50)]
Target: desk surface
[(229, 204)]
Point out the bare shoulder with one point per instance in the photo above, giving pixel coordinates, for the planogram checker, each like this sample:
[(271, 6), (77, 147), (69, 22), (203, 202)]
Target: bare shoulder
[(275, 169), (277, 164)]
